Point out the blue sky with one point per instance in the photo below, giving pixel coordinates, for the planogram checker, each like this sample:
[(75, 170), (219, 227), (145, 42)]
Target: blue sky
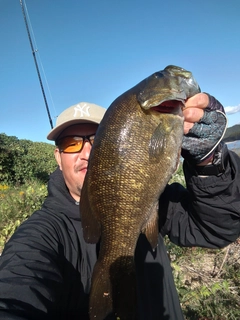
[(92, 50)]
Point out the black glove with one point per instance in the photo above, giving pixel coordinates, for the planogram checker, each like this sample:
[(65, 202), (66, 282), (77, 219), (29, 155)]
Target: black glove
[(205, 135)]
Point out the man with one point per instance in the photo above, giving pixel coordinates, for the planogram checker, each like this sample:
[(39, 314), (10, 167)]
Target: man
[(46, 267)]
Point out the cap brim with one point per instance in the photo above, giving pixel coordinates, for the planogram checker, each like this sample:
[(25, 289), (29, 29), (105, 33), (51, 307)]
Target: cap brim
[(55, 132)]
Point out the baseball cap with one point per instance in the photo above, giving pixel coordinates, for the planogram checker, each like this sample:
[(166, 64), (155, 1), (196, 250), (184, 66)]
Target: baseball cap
[(83, 112)]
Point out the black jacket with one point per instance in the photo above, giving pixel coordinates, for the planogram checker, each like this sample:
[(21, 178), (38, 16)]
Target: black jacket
[(46, 267)]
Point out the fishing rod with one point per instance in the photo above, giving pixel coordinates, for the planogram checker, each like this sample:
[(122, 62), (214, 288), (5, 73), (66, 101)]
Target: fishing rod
[(35, 60)]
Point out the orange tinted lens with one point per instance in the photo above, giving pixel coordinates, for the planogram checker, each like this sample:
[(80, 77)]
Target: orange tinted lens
[(71, 144)]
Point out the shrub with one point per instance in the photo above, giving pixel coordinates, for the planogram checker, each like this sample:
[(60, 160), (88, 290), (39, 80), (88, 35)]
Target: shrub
[(24, 160), (17, 204)]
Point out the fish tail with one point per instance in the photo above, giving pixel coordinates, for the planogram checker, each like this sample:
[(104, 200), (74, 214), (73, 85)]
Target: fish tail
[(113, 291)]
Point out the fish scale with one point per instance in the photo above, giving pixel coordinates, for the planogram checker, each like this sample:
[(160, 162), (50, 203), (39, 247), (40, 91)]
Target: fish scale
[(135, 152)]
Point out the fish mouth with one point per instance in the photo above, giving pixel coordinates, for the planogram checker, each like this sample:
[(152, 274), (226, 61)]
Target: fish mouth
[(169, 106)]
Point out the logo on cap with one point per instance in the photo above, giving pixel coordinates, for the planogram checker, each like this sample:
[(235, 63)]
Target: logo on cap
[(83, 109)]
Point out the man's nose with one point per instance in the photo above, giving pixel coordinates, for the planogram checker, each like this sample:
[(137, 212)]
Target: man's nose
[(86, 149)]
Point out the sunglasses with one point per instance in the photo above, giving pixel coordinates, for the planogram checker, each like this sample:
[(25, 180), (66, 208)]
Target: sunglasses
[(72, 144)]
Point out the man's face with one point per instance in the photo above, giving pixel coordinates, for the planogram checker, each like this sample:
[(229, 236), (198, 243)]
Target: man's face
[(74, 165)]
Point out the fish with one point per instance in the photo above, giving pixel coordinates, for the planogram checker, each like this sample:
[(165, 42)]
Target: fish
[(136, 151)]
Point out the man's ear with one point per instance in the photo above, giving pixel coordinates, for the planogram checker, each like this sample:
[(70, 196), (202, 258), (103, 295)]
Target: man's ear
[(57, 155)]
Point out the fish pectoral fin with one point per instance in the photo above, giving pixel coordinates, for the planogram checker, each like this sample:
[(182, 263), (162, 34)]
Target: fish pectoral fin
[(151, 228), (157, 143), (90, 224)]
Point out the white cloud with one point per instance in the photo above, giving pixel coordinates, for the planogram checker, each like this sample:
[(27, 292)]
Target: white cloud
[(232, 110)]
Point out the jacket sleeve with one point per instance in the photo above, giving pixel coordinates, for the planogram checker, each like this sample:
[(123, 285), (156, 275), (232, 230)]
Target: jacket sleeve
[(30, 278), (207, 213)]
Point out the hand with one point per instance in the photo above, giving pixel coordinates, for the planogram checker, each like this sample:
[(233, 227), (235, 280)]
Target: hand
[(204, 127)]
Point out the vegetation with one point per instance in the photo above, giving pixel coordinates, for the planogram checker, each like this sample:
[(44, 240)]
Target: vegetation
[(208, 281), (17, 203), (24, 160), (24, 170), (232, 133)]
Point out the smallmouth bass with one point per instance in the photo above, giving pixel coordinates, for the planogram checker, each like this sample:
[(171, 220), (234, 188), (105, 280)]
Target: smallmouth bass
[(136, 151)]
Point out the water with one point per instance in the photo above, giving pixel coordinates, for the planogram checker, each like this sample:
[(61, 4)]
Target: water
[(234, 144)]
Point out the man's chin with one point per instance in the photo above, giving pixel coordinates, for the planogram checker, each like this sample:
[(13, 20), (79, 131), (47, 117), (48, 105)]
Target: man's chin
[(81, 175)]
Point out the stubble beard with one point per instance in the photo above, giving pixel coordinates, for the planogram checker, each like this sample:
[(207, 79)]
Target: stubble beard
[(79, 189)]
